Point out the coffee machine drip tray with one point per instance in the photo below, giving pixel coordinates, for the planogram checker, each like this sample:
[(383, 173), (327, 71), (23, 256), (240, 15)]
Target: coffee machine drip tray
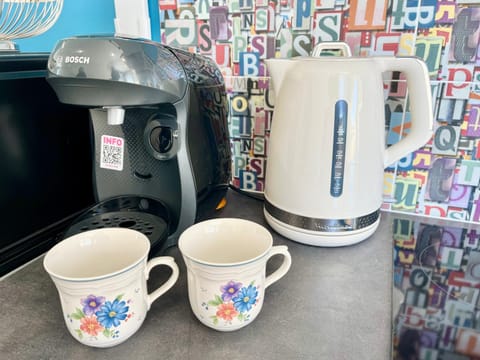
[(145, 215)]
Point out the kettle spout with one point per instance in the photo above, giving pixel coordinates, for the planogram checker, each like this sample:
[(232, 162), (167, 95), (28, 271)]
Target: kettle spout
[(277, 68)]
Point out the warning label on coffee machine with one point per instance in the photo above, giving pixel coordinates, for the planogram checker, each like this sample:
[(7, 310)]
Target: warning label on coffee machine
[(111, 154)]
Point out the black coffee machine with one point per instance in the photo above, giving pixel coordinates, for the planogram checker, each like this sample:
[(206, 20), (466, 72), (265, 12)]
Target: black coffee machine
[(162, 155)]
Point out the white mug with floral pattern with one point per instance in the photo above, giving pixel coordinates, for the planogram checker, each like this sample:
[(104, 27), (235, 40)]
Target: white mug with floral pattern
[(101, 277), (226, 264)]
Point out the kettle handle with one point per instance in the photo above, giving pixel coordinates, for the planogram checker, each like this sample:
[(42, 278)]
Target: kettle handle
[(420, 98), (343, 47)]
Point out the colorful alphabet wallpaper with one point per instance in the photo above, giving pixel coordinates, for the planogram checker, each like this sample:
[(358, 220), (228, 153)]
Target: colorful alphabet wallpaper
[(440, 179), (436, 271)]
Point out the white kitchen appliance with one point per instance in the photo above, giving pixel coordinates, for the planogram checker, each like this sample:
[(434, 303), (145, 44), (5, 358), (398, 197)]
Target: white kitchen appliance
[(327, 152)]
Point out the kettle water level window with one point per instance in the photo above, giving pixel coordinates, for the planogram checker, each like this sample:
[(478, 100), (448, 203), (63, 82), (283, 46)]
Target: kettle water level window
[(338, 153)]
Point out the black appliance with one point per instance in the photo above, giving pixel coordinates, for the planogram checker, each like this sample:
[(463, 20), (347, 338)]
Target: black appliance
[(45, 161), (161, 151)]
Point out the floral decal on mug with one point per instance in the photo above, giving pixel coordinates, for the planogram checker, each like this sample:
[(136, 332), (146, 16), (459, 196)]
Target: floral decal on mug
[(235, 302), (100, 316)]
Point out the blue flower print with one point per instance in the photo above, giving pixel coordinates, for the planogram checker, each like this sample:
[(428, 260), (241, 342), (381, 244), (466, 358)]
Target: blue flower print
[(92, 303), (112, 313), (245, 298), (230, 290)]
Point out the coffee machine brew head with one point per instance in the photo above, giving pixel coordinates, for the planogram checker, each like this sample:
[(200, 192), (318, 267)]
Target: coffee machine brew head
[(115, 115), (112, 73)]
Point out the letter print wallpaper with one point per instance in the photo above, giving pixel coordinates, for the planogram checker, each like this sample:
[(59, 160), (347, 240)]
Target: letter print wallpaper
[(438, 180)]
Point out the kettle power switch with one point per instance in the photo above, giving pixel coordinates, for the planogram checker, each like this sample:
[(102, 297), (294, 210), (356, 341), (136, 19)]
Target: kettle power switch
[(339, 145)]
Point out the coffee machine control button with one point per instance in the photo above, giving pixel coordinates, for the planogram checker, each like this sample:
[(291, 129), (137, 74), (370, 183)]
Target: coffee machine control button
[(161, 136), (161, 139)]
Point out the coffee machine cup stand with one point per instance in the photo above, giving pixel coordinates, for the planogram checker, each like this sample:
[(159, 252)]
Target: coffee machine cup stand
[(159, 133)]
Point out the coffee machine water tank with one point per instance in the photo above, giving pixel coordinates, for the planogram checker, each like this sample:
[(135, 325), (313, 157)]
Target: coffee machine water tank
[(159, 122)]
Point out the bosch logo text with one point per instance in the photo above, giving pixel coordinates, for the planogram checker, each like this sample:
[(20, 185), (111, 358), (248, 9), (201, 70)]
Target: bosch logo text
[(77, 59)]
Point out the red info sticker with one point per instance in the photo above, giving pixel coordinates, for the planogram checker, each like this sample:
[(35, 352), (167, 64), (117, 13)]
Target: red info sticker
[(111, 154)]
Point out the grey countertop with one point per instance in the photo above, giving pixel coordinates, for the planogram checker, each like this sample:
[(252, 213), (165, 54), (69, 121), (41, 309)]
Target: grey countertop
[(334, 303)]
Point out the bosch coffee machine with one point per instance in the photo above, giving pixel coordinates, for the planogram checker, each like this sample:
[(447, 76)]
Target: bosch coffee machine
[(161, 151)]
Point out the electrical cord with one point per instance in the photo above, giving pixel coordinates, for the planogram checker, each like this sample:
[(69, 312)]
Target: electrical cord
[(258, 197)]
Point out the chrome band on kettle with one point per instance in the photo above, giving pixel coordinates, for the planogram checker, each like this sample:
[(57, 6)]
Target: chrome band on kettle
[(316, 224)]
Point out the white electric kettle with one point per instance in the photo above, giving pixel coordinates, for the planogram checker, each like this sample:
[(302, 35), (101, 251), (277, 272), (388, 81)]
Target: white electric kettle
[(327, 152)]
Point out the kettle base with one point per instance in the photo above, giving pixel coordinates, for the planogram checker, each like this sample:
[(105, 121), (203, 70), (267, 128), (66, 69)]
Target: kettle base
[(321, 238)]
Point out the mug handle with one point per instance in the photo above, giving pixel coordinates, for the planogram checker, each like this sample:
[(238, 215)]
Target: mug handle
[(162, 260), (282, 270)]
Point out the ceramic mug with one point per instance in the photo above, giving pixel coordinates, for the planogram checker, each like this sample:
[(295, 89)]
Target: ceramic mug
[(226, 263), (101, 277)]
